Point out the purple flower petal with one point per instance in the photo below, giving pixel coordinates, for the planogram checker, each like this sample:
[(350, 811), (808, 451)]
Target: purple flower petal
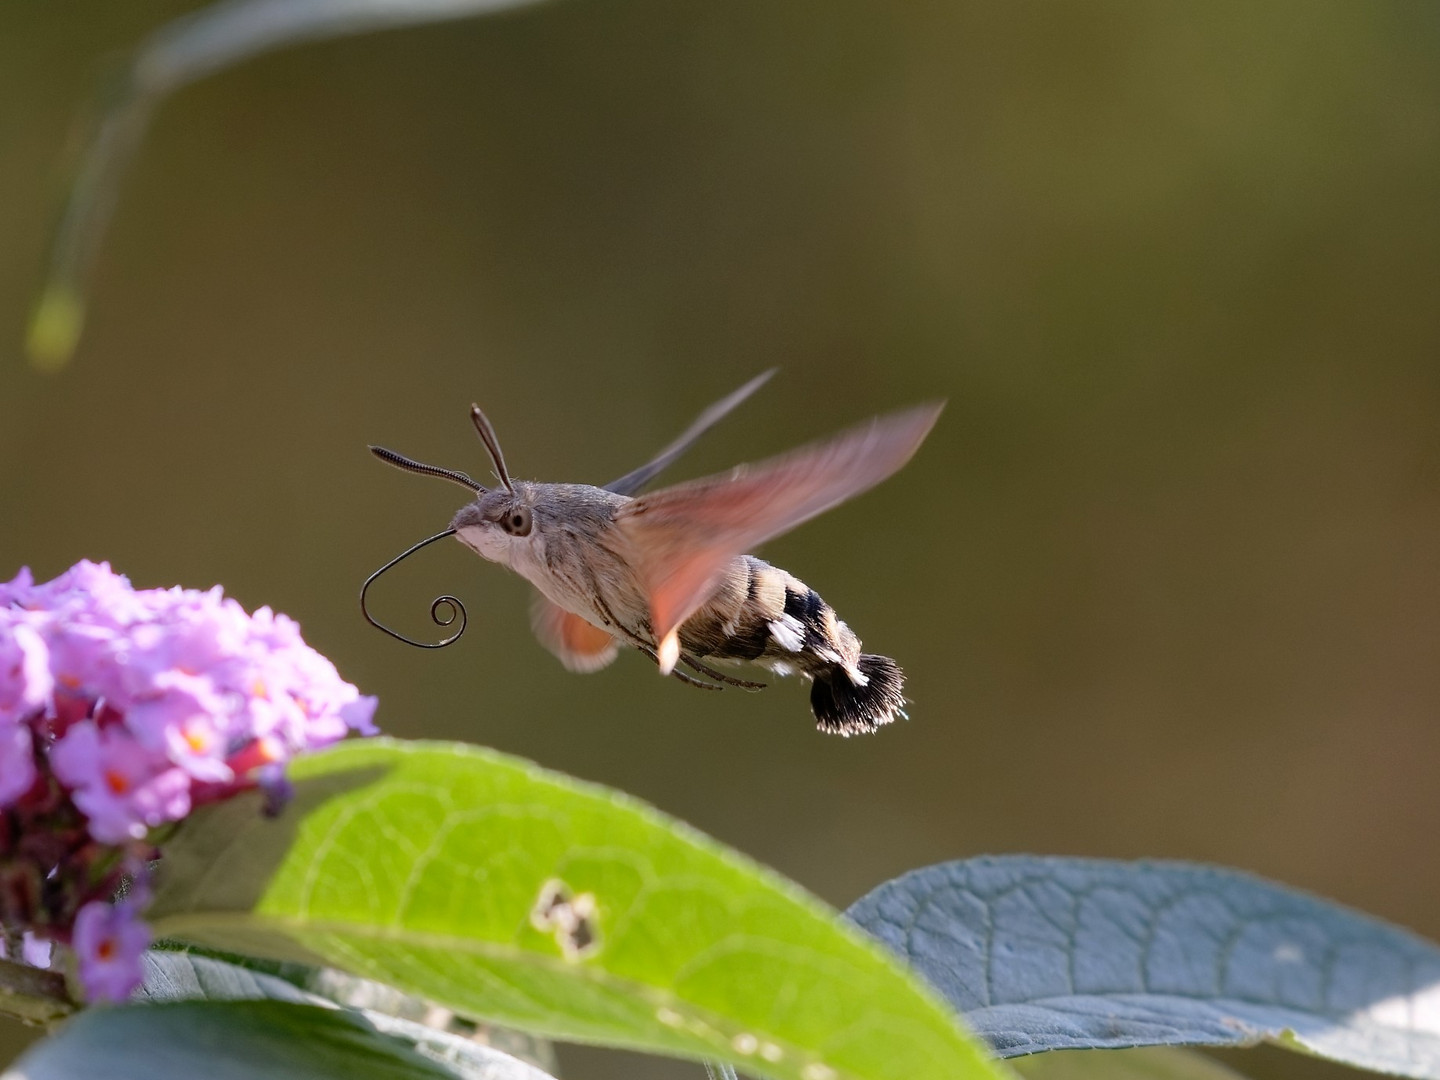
[(17, 590), (17, 763), (25, 680), (123, 788), (108, 943), (35, 951), (360, 714)]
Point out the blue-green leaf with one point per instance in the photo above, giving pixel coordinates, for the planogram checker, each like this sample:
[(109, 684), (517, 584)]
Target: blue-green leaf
[(176, 976), (237, 1040), (1051, 953), (183, 976)]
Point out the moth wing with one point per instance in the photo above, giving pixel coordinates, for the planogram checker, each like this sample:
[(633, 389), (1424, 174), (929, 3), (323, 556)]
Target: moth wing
[(580, 646), (680, 539), (632, 482)]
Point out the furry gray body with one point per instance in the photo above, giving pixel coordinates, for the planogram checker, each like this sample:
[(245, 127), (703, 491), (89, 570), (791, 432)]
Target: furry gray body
[(577, 559), (576, 556), (667, 572)]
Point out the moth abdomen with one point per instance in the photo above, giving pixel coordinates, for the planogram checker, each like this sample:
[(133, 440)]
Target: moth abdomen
[(844, 707), (764, 615)]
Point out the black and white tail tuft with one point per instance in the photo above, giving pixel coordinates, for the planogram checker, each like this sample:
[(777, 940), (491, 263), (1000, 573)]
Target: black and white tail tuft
[(843, 708)]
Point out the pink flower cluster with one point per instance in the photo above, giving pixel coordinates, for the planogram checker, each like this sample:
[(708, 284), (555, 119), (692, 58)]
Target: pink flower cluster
[(120, 711)]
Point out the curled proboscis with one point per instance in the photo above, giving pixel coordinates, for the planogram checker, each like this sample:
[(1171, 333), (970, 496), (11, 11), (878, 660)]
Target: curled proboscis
[(443, 601)]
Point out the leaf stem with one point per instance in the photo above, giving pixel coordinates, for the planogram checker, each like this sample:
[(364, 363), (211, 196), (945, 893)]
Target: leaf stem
[(33, 996)]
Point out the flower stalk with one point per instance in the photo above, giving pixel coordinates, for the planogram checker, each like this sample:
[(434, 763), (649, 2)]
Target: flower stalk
[(32, 995)]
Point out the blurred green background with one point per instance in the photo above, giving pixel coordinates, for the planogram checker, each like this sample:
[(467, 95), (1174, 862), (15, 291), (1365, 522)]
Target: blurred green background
[(1166, 577)]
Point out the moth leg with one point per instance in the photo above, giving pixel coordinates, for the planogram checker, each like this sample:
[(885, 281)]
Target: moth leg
[(644, 646), (686, 679), (690, 661), (678, 674), (613, 622), (719, 676)]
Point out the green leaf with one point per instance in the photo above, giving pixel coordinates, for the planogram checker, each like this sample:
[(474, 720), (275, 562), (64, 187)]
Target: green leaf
[(1145, 1063), (507, 892), (1056, 953), (235, 1040)]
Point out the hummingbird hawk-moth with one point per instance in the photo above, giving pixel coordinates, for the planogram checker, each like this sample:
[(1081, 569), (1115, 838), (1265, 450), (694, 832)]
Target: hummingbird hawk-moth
[(669, 572)]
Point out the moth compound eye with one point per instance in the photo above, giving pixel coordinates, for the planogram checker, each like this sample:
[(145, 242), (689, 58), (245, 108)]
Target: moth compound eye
[(517, 521)]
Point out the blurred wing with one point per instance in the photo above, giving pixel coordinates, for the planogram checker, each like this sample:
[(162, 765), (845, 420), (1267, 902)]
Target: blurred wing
[(681, 538), (632, 482), (581, 647)]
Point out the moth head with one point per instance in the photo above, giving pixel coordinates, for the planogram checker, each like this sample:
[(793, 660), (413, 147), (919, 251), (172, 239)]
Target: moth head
[(497, 515), (496, 522)]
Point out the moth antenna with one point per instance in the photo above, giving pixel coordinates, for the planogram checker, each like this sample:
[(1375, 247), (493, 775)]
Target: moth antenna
[(487, 436), (456, 607), (400, 461)]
